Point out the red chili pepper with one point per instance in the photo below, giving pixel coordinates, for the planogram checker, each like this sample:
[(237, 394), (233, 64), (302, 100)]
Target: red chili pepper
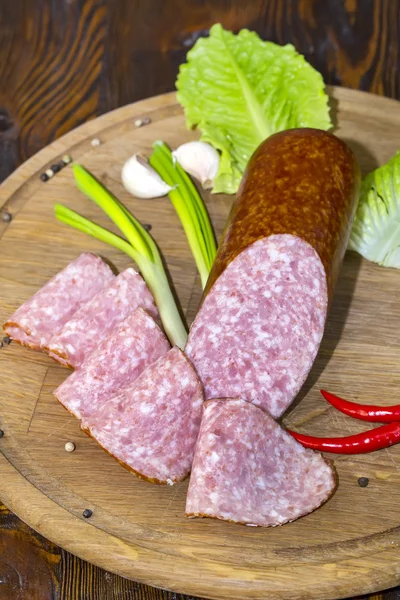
[(368, 441), (364, 412)]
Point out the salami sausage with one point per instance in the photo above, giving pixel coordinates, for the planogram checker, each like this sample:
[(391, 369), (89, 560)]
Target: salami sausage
[(35, 322), (133, 345), (151, 428), (263, 314), (248, 470), (96, 319)]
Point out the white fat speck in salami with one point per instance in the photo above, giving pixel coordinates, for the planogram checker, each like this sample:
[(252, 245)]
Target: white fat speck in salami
[(133, 345), (152, 426), (260, 326), (96, 319), (35, 322), (248, 470)]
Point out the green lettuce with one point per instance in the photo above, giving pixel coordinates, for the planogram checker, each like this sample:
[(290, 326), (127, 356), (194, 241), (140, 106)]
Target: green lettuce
[(376, 229), (239, 90)]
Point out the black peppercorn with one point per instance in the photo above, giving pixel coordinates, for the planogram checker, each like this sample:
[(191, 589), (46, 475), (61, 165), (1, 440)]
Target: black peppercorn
[(55, 168), (7, 217), (44, 177), (87, 513), (363, 481), (1, 433), (7, 340)]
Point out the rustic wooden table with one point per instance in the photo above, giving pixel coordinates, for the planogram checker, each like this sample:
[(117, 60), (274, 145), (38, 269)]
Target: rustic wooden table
[(63, 62)]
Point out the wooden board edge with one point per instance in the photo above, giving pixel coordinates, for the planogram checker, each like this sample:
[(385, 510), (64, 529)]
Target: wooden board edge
[(111, 553), (21, 504), (38, 511), (348, 96), (46, 155)]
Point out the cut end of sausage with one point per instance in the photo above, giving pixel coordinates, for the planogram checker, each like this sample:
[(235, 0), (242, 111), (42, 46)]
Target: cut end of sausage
[(260, 326), (248, 470)]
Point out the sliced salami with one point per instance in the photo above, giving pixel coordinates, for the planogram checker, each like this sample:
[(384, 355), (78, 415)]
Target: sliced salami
[(35, 322), (248, 470), (96, 319), (258, 331), (133, 345), (151, 428)]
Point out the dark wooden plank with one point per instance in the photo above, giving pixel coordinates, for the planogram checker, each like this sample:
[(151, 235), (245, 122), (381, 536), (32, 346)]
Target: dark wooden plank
[(62, 63), (28, 562), (32, 568)]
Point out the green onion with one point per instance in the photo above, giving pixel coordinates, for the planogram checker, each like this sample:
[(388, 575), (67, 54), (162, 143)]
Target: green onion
[(190, 208), (129, 226), (139, 245)]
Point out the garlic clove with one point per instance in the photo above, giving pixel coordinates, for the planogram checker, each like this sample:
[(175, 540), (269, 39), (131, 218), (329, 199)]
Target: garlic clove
[(141, 180), (199, 159)]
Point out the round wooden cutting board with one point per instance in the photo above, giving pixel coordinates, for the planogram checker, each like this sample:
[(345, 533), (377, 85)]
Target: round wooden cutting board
[(350, 545)]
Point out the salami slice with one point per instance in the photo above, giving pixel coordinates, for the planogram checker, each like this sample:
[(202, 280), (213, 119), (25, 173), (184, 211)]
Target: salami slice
[(35, 322), (248, 470), (258, 332), (96, 319), (264, 308), (151, 428), (133, 345)]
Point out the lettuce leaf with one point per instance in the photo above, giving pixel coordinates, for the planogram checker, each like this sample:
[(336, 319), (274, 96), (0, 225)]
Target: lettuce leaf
[(239, 90), (376, 228)]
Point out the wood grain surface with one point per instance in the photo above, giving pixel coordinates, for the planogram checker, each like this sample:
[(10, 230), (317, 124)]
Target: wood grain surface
[(66, 61), (137, 529)]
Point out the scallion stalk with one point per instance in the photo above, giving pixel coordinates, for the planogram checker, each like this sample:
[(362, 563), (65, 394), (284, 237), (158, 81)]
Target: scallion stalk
[(184, 181), (130, 227), (190, 208), (139, 245)]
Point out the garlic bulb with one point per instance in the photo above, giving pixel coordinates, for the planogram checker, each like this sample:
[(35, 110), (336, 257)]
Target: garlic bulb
[(199, 159), (141, 180)]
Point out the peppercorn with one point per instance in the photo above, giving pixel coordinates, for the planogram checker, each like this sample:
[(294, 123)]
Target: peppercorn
[(69, 447), (363, 481), (87, 513), (141, 122)]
